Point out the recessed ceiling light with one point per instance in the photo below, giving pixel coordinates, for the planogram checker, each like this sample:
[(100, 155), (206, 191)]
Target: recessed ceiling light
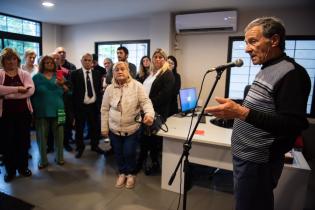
[(48, 4)]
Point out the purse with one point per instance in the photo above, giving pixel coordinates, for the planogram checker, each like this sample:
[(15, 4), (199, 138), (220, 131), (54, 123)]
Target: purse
[(158, 124)]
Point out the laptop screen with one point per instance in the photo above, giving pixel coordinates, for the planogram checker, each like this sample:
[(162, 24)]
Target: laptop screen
[(188, 99)]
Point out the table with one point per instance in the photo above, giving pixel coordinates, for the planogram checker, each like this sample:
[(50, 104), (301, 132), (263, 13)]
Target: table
[(213, 148)]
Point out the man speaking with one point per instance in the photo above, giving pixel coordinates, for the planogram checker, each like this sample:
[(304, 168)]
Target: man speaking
[(270, 119)]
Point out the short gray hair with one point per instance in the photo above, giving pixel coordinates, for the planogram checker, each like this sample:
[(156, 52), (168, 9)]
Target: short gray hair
[(270, 26)]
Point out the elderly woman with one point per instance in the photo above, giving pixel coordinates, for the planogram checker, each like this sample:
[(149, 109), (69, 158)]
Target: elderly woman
[(122, 102), (159, 85), (30, 66), (16, 86), (108, 65), (49, 109)]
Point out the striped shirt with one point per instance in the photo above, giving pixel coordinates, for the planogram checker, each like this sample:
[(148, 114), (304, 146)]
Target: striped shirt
[(274, 110)]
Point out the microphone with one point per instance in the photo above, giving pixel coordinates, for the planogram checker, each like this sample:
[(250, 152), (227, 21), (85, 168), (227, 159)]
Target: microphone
[(237, 63)]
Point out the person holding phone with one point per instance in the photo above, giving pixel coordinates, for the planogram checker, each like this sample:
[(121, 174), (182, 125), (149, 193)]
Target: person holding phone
[(48, 109), (63, 72)]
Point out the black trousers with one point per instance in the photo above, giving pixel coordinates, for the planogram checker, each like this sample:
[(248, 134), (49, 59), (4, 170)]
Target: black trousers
[(150, 144), (16, 140), (90, 114), (69, 119)]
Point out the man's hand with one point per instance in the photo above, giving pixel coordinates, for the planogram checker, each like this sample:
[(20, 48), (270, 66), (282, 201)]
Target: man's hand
[(148, 120), (228, 109)]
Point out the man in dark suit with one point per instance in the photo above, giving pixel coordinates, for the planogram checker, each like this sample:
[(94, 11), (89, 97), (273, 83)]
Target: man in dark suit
[(97, 67), (86, 92)]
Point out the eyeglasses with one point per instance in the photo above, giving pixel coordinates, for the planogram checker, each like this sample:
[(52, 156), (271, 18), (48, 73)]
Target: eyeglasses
[(48, 62)]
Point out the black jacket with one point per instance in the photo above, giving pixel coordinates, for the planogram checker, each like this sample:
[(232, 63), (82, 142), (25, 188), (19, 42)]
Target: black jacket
[(78, 89), (161, 92)]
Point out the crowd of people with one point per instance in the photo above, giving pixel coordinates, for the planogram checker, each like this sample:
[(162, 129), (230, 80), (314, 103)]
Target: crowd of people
[(55, 98), (56, 95)]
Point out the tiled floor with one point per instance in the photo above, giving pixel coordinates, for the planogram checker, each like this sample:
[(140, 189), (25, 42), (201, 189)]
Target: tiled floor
[(88, 184)]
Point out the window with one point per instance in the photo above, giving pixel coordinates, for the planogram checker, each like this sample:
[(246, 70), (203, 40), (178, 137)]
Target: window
[(20, 34), (137, 49), (302, 49)]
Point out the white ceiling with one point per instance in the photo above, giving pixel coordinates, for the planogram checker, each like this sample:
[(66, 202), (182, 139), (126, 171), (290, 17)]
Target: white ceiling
[(67, 12)]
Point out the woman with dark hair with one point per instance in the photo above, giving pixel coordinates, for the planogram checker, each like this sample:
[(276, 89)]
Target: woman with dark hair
[(16, 86), (172, 62), (144, 70), (49, 109)]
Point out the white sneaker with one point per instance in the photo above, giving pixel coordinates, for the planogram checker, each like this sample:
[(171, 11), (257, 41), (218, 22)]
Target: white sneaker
[(120, 181), (131, 181)]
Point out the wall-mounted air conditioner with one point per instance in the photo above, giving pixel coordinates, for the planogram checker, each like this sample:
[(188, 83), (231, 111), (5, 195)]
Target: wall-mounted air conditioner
[(206, 22)]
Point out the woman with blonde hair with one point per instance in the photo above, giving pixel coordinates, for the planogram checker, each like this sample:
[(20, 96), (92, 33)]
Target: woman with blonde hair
[(16, 87), (30, 66), (159, 86), (122, 102)]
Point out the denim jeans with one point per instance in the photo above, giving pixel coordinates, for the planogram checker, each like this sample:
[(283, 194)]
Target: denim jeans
[(125, 150), (254, 183)]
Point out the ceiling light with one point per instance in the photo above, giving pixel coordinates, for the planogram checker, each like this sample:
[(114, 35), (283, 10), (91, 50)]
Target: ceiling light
[(48, 4)]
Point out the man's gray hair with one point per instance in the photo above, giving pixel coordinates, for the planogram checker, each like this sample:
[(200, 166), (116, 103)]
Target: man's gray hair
[(270, 26)]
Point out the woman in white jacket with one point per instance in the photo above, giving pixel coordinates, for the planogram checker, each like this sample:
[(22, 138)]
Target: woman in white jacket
[(122, 102)]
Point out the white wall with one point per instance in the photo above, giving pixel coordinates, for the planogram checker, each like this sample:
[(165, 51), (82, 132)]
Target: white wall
[(200, 52), (79, 39), (197, 52), (51, 37)]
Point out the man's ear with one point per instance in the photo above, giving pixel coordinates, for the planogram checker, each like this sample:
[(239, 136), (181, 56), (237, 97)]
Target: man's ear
[(275, 40)]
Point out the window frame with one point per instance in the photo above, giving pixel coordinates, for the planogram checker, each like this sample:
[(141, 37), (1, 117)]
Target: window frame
[(22, 37), (121, 43), (241, 38)]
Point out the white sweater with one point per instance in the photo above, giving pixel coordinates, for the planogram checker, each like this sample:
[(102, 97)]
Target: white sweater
[(120, 106)]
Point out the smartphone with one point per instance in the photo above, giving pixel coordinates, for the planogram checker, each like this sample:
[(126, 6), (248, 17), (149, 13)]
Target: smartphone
[(59, 74)]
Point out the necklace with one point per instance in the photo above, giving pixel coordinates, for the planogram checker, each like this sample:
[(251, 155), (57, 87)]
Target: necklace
[(11, 73)]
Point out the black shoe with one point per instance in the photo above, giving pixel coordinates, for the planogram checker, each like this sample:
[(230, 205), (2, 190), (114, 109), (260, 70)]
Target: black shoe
[(139, 168), (68, 148), (50, 150), (79, 152), (26, 172), (109, 152), (153, 170), (42, 166), (8, 177), (98, 150), (60, 162)]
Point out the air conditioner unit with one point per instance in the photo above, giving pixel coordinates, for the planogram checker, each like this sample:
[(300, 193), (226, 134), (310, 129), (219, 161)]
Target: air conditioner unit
[(206, 22)]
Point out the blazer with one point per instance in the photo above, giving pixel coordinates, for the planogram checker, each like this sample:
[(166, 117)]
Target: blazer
[(78, 89), (161, 93)]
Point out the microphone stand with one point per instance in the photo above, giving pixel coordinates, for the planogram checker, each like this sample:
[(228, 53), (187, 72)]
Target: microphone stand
[(187, 144)]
